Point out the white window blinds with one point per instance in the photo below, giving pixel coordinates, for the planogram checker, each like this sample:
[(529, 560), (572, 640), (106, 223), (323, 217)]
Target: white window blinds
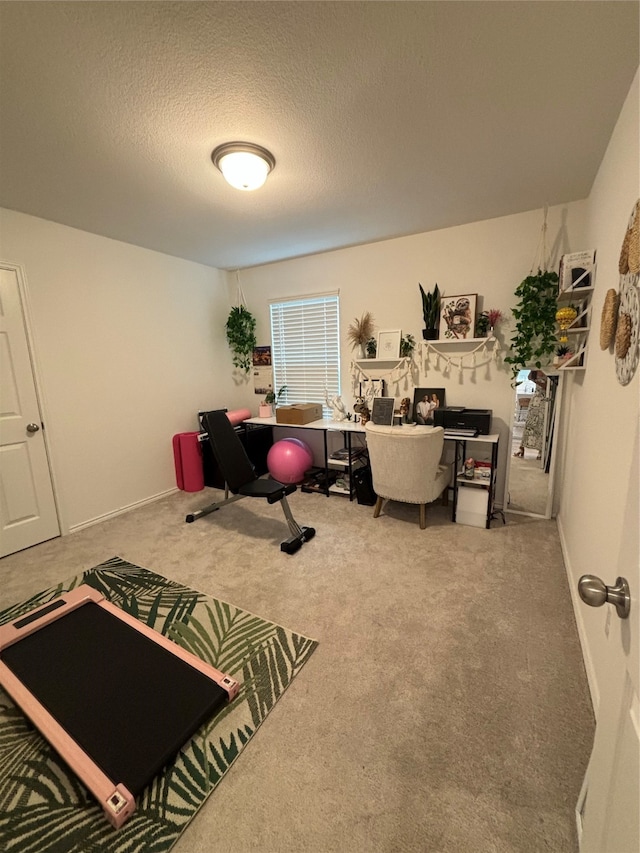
[(305, 348)]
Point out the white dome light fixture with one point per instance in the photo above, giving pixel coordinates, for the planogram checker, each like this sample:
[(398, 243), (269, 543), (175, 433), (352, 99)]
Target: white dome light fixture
[(244, 165)]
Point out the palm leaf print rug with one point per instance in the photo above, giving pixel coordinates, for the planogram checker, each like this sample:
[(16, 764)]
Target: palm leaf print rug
[(43, 807)]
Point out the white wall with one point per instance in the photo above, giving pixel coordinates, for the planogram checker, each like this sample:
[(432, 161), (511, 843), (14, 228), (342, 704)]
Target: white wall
[(598, 516), (130, 344), (489, 258)]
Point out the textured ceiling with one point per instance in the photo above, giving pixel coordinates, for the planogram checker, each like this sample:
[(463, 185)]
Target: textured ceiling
[(385, 118)]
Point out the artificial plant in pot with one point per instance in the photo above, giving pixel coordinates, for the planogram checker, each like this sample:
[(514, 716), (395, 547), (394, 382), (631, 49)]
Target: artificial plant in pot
[(407, 346), (430, 312), (271, 400), (534, 339), (482, 325), (241, 336), (360, 333)]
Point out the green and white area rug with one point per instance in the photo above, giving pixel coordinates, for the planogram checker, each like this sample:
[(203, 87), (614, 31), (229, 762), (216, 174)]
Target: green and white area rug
[(43, 807)]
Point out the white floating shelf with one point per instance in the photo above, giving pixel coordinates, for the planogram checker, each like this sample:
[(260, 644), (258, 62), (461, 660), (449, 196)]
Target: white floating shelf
[(380, 362), (440, 342)]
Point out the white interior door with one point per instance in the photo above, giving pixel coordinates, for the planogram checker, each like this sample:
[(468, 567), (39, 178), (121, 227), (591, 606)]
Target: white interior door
[(27, 506), (609, 804)]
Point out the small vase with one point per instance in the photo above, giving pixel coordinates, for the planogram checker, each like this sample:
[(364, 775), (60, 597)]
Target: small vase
[(265, 410)]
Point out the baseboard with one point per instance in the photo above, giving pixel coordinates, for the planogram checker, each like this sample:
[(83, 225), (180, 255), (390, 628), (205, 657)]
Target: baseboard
[(577, 610), (99, 518)]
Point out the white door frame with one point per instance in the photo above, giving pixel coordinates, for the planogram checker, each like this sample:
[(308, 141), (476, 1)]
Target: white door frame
[(25, 304)]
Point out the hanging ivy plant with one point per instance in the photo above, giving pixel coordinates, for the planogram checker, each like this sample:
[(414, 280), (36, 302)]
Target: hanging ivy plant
[(241, 336), (534, 340)]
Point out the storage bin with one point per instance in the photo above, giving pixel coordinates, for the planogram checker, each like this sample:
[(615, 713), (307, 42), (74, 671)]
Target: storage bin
[(472, 505)]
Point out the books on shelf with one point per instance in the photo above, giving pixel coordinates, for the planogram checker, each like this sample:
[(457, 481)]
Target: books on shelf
[(577, 270), (342, 455)]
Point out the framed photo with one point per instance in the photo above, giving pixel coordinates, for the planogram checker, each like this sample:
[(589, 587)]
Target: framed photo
[(425, 402), (382, 410), (389, 344), (457, 317)]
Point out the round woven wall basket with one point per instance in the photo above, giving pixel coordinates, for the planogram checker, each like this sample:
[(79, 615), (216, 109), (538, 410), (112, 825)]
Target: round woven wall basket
[(627, 331), (623, 335), (629, 261), (609, 319)]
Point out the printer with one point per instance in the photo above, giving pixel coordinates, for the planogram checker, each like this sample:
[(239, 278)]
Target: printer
[(457, 418)]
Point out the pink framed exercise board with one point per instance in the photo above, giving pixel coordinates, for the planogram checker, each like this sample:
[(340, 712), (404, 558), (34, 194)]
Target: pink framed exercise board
[(115, 699)]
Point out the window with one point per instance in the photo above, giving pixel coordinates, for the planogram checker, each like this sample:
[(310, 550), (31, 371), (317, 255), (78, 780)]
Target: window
[(305, 348)]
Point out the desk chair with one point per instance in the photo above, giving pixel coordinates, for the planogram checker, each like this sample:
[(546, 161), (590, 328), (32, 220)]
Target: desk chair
[(240, 478), (405, 465)]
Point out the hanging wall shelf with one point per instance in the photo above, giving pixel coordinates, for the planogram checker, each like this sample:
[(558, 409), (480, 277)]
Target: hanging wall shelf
[(461, 354), (392, 370), (578, 331)]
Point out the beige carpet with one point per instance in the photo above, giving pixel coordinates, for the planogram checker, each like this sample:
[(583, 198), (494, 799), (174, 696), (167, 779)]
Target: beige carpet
[(446, 708)]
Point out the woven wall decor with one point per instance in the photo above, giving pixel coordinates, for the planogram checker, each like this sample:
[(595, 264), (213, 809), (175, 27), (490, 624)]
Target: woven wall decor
[(623, 335), (629, 261), (626, 351), (609, 319)]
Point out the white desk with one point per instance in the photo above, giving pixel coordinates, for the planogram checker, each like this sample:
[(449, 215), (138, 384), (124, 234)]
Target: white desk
[(477, 482), (326, 425), (461, 442)]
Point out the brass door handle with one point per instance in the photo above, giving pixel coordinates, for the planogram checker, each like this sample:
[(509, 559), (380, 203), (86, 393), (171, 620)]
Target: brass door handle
[(595, 593)]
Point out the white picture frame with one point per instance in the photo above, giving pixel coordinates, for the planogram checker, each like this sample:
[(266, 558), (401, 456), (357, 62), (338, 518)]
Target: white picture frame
[(389, 344)]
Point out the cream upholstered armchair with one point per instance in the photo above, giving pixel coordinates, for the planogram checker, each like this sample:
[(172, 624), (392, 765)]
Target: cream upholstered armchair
[(405, 465)]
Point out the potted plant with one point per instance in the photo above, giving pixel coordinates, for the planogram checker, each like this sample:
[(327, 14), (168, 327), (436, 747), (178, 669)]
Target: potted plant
[(360, 332), (271, 399), (482, 324), (241, 336), (407, 346), (495, 315), (534, 340), (563, 352), (430, 312), (371, 348)]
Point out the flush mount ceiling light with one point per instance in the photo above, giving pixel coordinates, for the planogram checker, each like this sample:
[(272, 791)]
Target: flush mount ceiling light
[(245, 166)]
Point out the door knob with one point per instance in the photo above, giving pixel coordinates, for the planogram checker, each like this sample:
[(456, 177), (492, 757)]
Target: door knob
[(595, 593), (32, 427)]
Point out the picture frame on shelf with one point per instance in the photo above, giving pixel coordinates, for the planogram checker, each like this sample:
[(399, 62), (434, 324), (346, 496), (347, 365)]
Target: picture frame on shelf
[(425, 401), (458, 317), (376, 386), (389, 344)]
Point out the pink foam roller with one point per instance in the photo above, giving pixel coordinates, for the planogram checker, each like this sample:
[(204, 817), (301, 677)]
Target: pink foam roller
[(238, 416)]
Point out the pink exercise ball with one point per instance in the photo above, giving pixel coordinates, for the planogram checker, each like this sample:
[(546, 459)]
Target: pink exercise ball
[(288, 459)]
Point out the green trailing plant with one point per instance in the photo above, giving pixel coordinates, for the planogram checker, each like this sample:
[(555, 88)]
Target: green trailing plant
[(241, 336), (534, 339), (407, 346), (430, 311)]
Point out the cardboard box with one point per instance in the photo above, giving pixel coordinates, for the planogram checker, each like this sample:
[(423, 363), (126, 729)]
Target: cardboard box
[(299, 413)]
